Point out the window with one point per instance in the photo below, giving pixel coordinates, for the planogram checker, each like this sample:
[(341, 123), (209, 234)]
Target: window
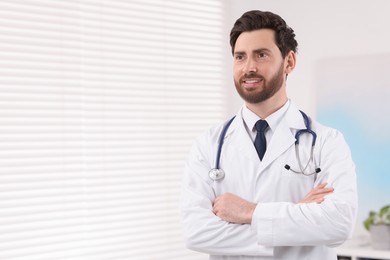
[(99, 104)]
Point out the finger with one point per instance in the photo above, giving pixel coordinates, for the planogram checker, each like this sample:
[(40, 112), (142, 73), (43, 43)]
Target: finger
[(321, 185), (218, 200), (318, 201), (215, 210), (322, 191), (215, 203), (319, 197), (315, 200), (322, 195), (315, 197), (325, 194), (326, 190), (318, 189)]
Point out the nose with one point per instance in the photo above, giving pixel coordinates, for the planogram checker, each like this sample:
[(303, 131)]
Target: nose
[(250, 66)]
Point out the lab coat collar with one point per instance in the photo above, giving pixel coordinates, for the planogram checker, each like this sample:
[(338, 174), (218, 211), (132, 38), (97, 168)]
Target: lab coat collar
[(282, 139), (250, 118), (293, 119)]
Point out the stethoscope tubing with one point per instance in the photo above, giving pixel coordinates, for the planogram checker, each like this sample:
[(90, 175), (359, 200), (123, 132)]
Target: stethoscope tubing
[(220, 142), (218, 174)]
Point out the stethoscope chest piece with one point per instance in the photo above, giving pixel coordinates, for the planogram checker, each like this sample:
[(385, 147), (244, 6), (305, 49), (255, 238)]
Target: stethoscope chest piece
[(216, 174)]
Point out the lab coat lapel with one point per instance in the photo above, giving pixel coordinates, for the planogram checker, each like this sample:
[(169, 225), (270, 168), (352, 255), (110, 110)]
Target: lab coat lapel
[(240, 139), (284, 136), (281, 140)]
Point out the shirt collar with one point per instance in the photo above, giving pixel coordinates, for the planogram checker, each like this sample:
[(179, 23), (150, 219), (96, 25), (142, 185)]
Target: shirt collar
[(250, 118)]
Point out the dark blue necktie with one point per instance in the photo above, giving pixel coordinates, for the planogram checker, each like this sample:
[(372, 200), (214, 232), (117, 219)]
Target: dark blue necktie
[(260, 142)]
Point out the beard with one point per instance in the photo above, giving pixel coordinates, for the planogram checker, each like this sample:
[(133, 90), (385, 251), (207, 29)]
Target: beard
[(267, 91)]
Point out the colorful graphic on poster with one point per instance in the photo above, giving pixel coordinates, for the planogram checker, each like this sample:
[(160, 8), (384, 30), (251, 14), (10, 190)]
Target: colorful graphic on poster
[(353, 96)]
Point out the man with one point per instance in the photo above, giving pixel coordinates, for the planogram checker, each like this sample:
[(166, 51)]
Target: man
[(277, 200)]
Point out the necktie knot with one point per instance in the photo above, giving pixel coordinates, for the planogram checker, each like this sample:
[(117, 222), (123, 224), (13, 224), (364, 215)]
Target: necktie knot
[(261, 126)]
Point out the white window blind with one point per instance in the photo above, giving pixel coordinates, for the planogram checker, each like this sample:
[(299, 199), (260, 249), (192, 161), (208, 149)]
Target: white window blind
[(99, 104)]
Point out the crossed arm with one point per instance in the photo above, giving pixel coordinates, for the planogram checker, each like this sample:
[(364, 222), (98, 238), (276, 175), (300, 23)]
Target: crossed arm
[(233, 209), (216, 225)]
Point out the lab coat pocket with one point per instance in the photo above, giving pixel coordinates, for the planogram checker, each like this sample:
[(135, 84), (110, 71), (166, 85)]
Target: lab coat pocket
[(294, 171), (296, 185), (302, 175), (301, 164)]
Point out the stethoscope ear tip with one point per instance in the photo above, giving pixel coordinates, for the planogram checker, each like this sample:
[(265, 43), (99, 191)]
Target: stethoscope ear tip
[(318, 170)]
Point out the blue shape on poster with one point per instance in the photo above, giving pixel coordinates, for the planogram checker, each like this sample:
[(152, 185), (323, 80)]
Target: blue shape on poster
[(370, 155)]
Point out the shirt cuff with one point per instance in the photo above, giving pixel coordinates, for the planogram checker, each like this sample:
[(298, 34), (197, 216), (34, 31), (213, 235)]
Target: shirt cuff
[(263, 223)]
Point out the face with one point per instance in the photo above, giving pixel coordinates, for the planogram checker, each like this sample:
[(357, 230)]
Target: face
[(259, 68)]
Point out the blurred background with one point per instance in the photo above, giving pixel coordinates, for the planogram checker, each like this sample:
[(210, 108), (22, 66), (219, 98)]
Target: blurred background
[(100, 101)]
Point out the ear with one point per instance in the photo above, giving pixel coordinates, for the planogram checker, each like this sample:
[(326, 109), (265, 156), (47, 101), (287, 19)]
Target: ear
[(290, 61)]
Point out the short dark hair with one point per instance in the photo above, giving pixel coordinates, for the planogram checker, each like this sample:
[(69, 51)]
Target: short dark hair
[(255, 20)]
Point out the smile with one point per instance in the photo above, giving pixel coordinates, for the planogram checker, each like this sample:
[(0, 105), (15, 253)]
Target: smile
[(251, 82)]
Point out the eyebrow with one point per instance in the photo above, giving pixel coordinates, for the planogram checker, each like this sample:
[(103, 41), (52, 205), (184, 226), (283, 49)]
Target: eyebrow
[(261, 50), (254, 51), (239, 53)]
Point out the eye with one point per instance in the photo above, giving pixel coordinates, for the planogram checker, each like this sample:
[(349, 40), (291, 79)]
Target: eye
[(239, 57), (262, 55)]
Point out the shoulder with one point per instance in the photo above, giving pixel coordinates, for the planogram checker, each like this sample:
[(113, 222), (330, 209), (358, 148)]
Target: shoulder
[(329, 136), (325, 131), (212, 134), (204, 148)]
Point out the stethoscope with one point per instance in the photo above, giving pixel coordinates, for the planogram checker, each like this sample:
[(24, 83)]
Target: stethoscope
[(217, 174)]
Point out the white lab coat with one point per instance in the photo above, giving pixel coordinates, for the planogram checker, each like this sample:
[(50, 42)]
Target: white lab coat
[(280, 228)]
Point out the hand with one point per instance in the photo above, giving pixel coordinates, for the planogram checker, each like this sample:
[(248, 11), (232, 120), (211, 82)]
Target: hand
[(233, 209), (317, 194)]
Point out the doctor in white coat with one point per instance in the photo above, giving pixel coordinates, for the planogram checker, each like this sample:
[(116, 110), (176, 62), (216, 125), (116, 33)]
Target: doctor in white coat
[(285, 204)]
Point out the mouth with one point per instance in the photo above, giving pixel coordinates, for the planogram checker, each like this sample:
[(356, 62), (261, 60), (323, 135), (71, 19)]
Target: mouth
[(251, 82)]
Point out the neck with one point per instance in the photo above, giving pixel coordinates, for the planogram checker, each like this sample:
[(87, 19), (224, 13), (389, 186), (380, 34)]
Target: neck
[(269, 106)]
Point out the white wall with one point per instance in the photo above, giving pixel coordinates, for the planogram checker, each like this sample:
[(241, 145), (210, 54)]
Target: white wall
[(324, 29), (329, 31)]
